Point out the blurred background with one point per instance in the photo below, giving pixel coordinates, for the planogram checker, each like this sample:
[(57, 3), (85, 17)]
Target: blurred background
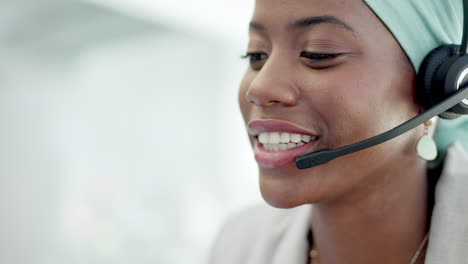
[(120, 135)]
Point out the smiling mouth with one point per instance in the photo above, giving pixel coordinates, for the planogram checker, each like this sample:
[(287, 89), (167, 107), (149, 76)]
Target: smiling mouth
[(282, 141)]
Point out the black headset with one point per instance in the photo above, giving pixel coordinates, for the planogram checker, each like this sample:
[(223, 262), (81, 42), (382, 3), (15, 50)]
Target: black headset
[(442, 88), (444, 72)]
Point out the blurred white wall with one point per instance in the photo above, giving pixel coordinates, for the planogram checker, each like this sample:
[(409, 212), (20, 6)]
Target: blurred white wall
[(223, 19), (121, 140)]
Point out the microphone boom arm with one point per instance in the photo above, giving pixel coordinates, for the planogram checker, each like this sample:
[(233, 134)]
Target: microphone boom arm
[(323, 156)]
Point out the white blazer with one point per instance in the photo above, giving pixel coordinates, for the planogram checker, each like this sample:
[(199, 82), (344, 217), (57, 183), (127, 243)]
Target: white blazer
[(267, 235)]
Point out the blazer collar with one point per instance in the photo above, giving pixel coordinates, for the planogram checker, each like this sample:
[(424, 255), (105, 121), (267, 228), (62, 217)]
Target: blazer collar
[(448, 238)]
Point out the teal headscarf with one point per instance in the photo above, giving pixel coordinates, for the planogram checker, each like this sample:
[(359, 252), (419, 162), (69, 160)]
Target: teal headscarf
[(421, 26)]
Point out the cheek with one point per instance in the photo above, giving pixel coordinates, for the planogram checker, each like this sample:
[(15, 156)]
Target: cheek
[(375, 103), (346, 106), (356, 105)]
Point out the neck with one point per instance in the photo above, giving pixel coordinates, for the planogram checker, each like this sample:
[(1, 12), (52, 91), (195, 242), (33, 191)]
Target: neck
[(380, 223)]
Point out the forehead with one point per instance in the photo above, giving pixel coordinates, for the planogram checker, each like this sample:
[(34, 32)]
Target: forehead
[(281, 14)]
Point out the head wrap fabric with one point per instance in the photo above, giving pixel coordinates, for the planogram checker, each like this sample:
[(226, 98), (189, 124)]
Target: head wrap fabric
[(420, 26)]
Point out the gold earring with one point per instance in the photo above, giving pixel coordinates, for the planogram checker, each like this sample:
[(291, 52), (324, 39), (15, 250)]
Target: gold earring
[(426, 148)]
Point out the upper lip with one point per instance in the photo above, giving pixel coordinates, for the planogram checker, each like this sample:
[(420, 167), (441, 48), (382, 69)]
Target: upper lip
[(256, 127)]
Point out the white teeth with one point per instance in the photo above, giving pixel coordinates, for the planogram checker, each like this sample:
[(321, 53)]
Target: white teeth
[(281, 141), (263, 138), (296, 138), (274, 138), (275, 147), (285, 138)]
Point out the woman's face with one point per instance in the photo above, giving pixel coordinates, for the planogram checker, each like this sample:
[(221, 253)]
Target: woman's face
[(326, 73)]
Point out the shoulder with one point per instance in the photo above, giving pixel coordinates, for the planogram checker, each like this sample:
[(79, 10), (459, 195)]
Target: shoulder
[(252, 235), (454, 174), (449, 228)]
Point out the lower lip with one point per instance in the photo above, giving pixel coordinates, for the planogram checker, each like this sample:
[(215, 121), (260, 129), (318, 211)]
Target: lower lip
[(280, 159)]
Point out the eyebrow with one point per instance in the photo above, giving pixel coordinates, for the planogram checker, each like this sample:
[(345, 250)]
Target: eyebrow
[(310, 21)]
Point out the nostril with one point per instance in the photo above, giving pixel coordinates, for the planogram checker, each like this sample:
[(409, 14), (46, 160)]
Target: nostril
[(271, 103), (264, 104), (268, 98), (252, 100)]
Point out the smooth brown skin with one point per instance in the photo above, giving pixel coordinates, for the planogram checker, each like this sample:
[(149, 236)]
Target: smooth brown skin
[(370, 206)]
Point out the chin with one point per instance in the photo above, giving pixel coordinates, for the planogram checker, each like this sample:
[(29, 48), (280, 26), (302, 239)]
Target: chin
[(288, 190), (282, 204)]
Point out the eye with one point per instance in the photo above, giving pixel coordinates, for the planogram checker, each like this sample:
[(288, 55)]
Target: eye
[(255, 56), (256, 59), (320, 60), (319, 56)]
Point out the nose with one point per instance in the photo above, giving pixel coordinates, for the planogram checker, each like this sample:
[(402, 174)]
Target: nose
[(273, 85)]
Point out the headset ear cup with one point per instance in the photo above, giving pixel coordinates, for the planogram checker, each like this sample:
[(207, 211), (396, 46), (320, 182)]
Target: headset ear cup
[(450, 115), (427, 93)]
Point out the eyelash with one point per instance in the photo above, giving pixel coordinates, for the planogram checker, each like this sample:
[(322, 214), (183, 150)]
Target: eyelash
[(254, 55), (318, 57)]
